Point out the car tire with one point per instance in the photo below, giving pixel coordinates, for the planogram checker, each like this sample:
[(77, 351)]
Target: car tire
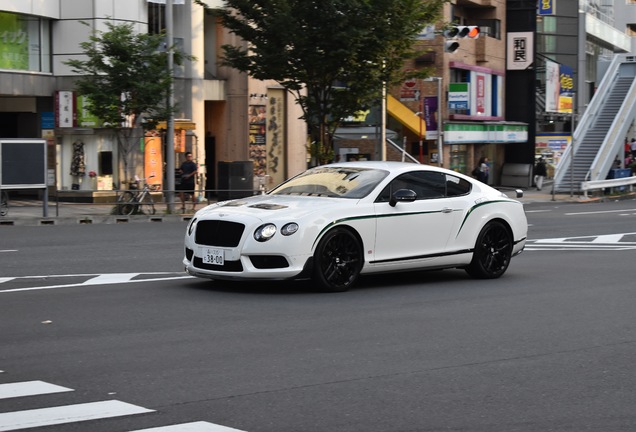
[(492, 252), (337, 261)]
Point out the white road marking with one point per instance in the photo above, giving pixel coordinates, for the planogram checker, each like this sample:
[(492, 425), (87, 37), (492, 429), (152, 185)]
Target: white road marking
[(191, 427), (598, 212), (612, 238), (103, 279), (8, 250), (67, 414), (110, 278), (29, 388)]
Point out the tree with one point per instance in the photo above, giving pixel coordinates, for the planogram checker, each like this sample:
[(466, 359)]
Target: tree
[(333, 55), (126, 79)]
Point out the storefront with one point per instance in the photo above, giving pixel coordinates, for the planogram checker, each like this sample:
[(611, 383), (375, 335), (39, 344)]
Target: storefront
[(466, 142)]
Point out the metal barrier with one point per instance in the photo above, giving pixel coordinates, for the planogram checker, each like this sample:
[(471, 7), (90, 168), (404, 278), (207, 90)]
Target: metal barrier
[(610, 183)]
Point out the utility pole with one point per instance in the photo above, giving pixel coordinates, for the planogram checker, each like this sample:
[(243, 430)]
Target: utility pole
[(170, 162)]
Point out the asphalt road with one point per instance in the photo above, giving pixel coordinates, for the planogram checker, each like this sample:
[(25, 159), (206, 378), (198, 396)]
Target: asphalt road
[(105, 312)]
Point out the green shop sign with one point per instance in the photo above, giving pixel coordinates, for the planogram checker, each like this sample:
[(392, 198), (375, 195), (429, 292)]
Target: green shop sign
[(467, 133), (14, 42)]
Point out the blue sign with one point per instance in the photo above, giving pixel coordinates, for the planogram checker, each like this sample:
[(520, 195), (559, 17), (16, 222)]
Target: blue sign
[(48, 120), (546, 7)]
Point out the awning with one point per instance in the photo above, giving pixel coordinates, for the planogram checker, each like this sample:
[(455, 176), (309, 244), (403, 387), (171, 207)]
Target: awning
[(405, 115), (362, 132)]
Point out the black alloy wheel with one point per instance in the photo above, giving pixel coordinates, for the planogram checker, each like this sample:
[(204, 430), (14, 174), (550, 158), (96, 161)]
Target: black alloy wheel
[(493, 251), (337, 261)]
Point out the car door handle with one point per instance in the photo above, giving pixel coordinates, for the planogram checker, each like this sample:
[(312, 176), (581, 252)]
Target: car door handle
[(447, 210)]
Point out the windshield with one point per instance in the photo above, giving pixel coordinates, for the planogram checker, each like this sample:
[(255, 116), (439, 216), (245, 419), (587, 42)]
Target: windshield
[(337, 182)]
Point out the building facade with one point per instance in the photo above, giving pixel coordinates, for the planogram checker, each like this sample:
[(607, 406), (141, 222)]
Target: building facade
[(221, 112), (460, 110)]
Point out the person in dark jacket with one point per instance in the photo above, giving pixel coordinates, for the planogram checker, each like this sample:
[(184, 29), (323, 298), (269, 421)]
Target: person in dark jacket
[(188, 172), (540, 171)]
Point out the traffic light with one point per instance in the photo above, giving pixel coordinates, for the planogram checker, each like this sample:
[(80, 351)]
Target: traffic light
[(458, 32), (451, 46)]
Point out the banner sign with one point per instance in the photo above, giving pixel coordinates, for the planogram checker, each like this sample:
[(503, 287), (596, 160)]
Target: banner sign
[(14, 42), (546, 7)]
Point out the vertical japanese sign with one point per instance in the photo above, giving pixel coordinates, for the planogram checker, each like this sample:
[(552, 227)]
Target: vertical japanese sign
[(480, 94), (258, 152), (14, 42), (153, 160), (276, 119), (431, 113), (552, 86), (65, 109), (519, 50)]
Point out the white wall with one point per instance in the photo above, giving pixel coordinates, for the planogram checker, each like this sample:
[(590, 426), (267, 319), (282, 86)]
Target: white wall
[(42, 8), (69, 31)]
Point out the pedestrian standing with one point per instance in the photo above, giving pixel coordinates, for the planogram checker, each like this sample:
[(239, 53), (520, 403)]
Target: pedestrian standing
[(484, 170), (633, 148), (540, 171), (188, 172)]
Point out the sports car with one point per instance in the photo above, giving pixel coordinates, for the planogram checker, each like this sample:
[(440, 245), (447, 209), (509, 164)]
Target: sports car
[(335, 222)]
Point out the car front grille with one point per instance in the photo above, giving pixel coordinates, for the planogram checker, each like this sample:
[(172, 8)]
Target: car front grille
[(219, 233)]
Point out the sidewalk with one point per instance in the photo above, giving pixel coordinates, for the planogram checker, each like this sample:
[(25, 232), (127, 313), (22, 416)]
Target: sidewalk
[(31, 212)]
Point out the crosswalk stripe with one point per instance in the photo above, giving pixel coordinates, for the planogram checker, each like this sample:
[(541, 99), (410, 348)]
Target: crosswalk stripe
[(109, 278), (191, 427), (67, 414), (612, 238), (29, 388)]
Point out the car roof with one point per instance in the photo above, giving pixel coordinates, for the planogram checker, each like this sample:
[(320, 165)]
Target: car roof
[(390, 166)]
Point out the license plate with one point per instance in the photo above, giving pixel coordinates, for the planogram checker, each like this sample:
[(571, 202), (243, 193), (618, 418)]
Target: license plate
[(212, 256)]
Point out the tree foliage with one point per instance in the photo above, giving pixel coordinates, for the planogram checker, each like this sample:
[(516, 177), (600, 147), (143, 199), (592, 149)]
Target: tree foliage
[(332, 55), (125, 75)]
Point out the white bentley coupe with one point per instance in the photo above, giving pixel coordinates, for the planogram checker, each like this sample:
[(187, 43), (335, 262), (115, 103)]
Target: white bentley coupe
[(335, 222)]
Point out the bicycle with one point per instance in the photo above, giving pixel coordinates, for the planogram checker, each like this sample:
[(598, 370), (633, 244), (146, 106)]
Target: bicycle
[(135, 202), (4, 203)]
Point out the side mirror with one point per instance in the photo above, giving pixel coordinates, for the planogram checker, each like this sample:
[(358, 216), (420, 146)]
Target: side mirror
[(402, 195)]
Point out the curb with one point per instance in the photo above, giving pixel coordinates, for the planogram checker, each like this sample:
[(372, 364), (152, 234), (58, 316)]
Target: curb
[(90, 220)]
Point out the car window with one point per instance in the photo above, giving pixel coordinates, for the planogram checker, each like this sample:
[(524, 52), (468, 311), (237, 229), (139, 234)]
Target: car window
[(426, 184), (336, 182), (456, 186)]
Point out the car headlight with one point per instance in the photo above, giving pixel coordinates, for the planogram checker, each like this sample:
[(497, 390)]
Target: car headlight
[(289, 229), (265, 232)]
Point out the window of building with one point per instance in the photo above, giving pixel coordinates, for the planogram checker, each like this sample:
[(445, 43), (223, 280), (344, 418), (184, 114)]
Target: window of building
[(156, 18), (25, 43), (489, 27)]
